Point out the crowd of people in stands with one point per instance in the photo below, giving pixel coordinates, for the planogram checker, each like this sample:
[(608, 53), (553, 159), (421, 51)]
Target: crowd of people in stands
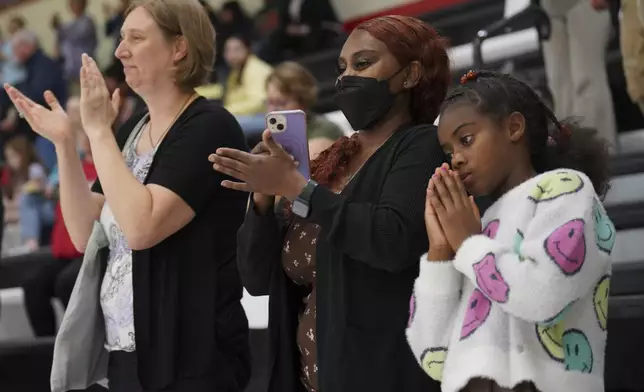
[(137, 182)]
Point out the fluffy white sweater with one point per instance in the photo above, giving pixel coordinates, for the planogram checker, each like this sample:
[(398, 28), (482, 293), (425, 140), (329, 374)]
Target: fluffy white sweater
[(527, 299)]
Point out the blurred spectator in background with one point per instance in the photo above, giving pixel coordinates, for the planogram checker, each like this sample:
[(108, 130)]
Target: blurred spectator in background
[(632, 47), (114, 17), (55, 277), (575, 59), (232, 20), (291, 87), (74, 39), (129, 103), (267, 19), (212, 16), (318, 145), (12, 71), (43, 73), (245, 93), (304, 26), (26, 187)]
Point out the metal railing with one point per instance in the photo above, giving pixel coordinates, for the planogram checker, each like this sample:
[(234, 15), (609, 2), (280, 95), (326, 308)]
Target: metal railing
[(532, 14)]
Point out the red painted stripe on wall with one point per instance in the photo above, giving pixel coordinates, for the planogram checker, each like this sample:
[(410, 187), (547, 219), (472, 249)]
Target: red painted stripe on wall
[(416, 8)]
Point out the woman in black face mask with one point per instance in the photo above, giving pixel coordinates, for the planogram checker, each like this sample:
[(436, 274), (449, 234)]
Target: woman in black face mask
[(339, 254)]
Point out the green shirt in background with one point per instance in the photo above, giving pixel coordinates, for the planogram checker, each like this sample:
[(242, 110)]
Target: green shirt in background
[(318, 126)]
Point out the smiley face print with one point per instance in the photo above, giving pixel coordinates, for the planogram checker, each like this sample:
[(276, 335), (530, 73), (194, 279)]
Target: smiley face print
[(551, 338), (556, 184), (600, 300), (492, 228), (478, 310), (489, 279), (566, 246), (432, 361), (577, 350), (604, 228)]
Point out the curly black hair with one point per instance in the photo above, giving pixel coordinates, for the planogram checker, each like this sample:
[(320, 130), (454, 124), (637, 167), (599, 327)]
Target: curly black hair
[(553, 143)]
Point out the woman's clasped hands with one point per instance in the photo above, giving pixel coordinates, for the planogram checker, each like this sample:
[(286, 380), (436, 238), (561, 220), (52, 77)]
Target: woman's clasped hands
[(451, 216), (267, 170)]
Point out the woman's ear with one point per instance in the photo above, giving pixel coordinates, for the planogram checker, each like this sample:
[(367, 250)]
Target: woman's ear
[(180, 49), (413, 75), (516, 126)]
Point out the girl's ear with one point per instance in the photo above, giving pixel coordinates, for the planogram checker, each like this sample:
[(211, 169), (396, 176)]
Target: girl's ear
[(516, 126)]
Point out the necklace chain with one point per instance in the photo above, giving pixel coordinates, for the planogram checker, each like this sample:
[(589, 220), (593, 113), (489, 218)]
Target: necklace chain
[(154, 145)]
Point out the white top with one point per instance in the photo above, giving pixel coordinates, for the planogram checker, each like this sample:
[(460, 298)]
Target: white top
[(36, 172), (526, 300), (117, 298)]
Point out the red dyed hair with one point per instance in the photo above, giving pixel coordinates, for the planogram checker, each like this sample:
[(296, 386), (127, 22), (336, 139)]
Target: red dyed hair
[(408, 39)]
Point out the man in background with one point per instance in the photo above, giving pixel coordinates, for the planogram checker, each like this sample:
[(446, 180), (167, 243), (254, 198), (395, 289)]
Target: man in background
[(42, 73)]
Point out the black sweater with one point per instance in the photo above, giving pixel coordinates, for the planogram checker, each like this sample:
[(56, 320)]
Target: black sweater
[(372, 237), (188, 316)]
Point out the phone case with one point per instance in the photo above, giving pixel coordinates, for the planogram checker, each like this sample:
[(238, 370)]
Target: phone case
[(288, 128)]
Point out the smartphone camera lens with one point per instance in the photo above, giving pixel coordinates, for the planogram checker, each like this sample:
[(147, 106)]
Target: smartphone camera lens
[(280, 127), (272, 121)]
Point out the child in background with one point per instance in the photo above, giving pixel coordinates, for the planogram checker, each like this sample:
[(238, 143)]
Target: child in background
[(520, 305), (26, 187)]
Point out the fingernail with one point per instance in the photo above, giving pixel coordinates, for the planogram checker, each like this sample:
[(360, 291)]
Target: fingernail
[(444, 168)]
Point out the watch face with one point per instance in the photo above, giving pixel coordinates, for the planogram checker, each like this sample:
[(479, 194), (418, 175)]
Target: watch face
[(300, 209)]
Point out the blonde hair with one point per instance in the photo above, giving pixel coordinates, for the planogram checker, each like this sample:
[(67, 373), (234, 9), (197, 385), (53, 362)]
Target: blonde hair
[(187, 19), (294, 80)]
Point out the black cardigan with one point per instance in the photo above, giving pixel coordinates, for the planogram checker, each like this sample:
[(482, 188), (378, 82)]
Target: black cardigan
[(188, 316), (372, 237)]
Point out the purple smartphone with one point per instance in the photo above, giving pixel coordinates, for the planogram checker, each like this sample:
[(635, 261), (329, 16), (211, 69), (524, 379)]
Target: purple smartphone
[(288, 128)]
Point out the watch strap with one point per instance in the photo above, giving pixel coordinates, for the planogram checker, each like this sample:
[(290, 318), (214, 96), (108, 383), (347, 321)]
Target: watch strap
[(307, 192)]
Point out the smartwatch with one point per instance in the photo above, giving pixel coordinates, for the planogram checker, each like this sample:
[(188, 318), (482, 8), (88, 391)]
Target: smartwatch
[(302, 204)]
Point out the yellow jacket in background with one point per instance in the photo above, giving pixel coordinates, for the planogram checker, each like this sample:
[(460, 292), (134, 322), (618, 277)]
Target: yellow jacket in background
[(247, 97)]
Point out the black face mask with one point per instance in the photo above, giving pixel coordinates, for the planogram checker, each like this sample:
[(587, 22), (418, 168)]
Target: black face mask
[(364, 101)]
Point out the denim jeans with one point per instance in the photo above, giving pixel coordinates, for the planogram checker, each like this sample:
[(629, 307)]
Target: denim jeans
[(36, 212)]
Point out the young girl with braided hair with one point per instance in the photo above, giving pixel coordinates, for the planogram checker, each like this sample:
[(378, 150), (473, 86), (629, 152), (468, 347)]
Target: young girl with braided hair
[(515, 300)]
